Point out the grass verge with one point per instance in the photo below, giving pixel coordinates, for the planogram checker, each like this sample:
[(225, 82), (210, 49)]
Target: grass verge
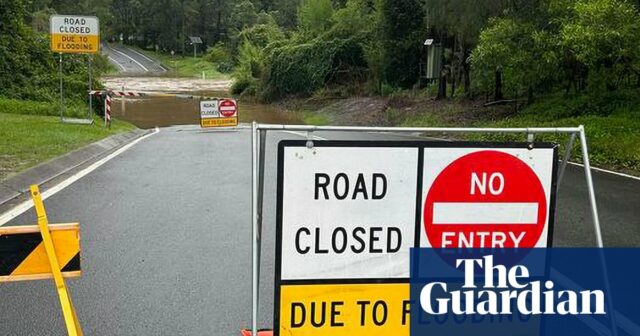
[(613, 130), (187, 66), (16, 106), (27, 140), (312, 118)]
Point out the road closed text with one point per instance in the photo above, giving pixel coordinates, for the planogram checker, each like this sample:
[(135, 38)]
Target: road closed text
[(371, 240), (74, 34), (335, 212)]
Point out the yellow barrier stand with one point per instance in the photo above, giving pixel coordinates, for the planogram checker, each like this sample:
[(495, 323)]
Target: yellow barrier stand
[(69, 313)]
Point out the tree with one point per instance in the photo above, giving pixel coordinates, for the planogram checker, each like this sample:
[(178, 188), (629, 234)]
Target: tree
[(514, 55), (315, 16), (605, 36), (402, 33)]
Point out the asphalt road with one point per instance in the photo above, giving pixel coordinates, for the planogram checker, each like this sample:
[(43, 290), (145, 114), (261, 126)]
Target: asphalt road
[(166, 231), (129, 61)]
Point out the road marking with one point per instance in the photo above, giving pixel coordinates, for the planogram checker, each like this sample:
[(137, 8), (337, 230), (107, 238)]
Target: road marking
[(118, 64), (131, 58), (302, 134), (606, 171), (147, 58), (26, 205)]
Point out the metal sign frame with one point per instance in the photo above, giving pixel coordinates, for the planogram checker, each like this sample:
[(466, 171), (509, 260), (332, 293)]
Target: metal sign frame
[(258, 144), (90, 59)]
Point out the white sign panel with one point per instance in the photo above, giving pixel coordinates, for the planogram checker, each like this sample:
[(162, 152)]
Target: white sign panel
[(209, 109), (74, 34), (348, 212)]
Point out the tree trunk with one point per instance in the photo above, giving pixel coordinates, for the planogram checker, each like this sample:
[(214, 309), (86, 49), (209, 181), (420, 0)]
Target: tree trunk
[(183, 33), (442, 86), (498, 93), (530, 96), (453, 82), (467, 78), (454, 66)]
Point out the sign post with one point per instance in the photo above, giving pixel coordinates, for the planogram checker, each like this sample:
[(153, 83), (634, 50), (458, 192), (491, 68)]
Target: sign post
[(350, 211)]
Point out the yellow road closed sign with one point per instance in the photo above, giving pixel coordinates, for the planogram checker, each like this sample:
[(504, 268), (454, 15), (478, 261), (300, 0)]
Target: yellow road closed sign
[(74, 34)]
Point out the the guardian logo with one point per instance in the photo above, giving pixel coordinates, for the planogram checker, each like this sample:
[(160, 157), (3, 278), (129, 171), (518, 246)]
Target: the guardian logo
[(504, 289)]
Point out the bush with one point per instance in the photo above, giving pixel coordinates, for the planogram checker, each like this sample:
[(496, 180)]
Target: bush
[(225, 67), (306, 67), (249, 68), (217, 54)]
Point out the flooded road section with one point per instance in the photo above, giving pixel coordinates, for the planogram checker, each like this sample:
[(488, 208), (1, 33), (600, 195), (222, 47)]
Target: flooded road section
[(149, 112), (152, 111)]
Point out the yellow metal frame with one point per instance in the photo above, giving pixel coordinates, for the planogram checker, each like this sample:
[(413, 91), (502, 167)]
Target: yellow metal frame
[(69, 313)]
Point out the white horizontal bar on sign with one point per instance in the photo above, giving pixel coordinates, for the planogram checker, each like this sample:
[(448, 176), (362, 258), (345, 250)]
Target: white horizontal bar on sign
[(485, 213)]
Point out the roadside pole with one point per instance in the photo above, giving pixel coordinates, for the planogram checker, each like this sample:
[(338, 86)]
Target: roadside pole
[(90, 84), (255, 282), (61, 93)]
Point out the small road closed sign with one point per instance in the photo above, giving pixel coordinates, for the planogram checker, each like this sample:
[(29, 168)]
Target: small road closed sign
[(74, 34), (218, 113), (349, 212)]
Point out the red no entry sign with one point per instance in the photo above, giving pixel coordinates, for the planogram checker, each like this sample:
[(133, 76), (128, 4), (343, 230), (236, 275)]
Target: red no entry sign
[(486, 199), (228, 108)]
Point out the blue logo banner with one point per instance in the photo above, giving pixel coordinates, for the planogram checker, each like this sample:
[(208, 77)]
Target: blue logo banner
[(556, 291)]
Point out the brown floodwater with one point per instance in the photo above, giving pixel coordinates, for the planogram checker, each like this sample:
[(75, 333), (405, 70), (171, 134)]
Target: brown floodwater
[(150, 112)]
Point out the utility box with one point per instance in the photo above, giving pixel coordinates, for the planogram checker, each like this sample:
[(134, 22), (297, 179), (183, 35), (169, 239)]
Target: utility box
[(431, 64)]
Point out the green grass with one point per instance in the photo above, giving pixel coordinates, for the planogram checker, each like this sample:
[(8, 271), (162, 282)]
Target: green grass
[(186, 66), (27, 140), (312, 118), (612, 126), (614, 141)]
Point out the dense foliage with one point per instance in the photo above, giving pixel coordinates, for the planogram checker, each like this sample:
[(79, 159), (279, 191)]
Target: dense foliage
[(496, 48), (579, 45), (516, 49), (28, 70)]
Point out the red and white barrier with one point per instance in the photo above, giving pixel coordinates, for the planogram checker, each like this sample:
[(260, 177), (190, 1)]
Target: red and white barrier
[(107, 110)]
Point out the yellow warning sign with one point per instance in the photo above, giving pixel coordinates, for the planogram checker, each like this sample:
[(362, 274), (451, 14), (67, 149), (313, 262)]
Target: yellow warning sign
[(344, 310), (74, 34), (23, 255), (219, 122)]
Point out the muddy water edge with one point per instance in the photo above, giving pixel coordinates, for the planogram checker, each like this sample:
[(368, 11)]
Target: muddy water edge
[(150, 112)]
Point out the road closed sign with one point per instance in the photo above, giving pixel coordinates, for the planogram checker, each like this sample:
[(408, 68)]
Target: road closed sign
[(74, 34), (349, 213), (218, 113)]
